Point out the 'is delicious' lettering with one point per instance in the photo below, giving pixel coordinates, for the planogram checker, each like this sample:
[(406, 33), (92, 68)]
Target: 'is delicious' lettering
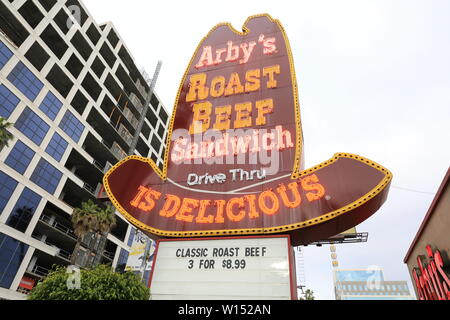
[(251, 206)]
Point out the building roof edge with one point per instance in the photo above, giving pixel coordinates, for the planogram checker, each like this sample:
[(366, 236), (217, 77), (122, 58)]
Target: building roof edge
[(429, 213)]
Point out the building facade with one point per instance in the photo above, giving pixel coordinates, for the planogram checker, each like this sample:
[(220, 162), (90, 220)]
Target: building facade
[(428, 256), (368, 284), (75, 96)]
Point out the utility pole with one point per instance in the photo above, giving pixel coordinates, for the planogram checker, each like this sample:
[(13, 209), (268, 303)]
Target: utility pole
[(134, 144), (145, 109)]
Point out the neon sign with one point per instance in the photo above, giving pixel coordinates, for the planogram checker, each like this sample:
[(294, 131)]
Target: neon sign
[(266, 202), (431, 281), (233, 52), (234, 158), (226, 145)]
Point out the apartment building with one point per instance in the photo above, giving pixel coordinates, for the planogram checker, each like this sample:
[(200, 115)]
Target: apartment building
[(75, 96), (368, 284)]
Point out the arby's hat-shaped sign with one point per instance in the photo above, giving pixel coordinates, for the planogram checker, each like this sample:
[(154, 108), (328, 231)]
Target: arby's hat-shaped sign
[(234, 158)]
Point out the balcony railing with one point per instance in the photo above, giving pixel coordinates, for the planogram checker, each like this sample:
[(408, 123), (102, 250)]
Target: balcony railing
[(118, 151), (23, 290), (60, 252), (64, 254), (107, 145), (112, 147), (135, 101), (98, 165), (125, 134), (108, 254), (89, 188), (130, 116), (39, 271), (86, 186), (141, 88), (60, 227)]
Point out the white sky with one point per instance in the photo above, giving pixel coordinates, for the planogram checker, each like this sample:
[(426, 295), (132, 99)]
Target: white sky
[(374, 80)]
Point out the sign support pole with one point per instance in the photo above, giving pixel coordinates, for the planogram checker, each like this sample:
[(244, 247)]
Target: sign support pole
[(144, 259)]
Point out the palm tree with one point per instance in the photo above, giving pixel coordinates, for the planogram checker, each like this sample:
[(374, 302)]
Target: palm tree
[(106, 220), (308, 295), (84, 219), (90, 218), (5, 135)]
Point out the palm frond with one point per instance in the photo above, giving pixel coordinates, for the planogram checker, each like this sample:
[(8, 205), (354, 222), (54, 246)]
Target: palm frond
[(5, 135)]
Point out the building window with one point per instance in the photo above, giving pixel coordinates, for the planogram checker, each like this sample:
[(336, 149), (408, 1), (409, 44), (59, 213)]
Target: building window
[(31, 125), (37, 56), (50, 105), (46, 176), (163, 115), (56, 147), (8, 102), (7, 186), (130, 239), (20, 157), (24, 209), (72, 126), (5, 54), (122, 261), (25, 81), (47, 4), (156, 144), (154, 158), (12, 254), (161, 131)]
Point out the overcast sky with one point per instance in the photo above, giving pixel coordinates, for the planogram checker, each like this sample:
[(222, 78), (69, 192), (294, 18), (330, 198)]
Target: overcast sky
[(374, 80)]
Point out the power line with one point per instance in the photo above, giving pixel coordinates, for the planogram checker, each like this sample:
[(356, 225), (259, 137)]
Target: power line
[(412, 190)]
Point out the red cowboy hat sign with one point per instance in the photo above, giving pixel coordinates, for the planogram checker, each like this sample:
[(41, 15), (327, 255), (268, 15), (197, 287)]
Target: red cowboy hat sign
[(234, 161)]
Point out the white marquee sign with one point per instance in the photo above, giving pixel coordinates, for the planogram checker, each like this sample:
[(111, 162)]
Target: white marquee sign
[(225, 268)]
